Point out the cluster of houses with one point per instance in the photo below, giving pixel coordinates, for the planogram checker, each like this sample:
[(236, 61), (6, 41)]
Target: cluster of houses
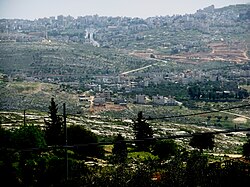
[(157, 100), (101, 98)]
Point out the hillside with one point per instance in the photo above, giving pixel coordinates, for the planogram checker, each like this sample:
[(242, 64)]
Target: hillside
[(200, 61), (63, 62)]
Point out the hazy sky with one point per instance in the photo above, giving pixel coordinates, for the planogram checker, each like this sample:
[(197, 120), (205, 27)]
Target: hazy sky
[(31, 9)]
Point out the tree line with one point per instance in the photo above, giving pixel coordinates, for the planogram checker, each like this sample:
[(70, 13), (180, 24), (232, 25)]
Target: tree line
[(216, 91)]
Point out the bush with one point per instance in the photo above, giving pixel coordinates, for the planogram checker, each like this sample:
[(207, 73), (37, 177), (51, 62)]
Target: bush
[(87, 141), (165, 148), (246, 149)]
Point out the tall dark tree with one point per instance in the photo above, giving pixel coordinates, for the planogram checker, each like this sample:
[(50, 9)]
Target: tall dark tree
[(8, 172), (5, 138), (246, 149), (194, 92), (77, 134), (165, 148), (54, 127), (196, 169), (120, 149), (24, 138), (143, 133), (202, 141)]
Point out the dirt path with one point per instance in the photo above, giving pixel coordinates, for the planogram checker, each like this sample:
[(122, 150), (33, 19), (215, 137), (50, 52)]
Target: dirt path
[(213, 50), (226, 155), (239, 115), (245, 53), (91, 99)]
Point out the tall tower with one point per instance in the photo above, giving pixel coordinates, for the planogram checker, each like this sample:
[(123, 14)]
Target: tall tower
[(46, 32), (7, 29)]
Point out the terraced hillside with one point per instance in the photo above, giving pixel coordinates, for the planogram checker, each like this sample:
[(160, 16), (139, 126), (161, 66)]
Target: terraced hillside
[(107, 128), (63, 62)]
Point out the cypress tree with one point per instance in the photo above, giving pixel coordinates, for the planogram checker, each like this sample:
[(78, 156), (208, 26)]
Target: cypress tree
[(54, 126), (143, 133)]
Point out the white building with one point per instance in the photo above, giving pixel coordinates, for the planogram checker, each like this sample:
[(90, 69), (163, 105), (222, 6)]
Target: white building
[(106, 94), (172, 102), (140, 99), (98, 101), (158, 100)]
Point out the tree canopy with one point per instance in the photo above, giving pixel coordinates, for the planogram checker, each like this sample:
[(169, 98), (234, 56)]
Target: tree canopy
[(202, 141), (246, 149), (120, 149), (28, 136), (87, 141), (165, 148)]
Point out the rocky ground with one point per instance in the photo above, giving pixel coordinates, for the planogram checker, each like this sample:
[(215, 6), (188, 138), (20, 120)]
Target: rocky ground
[(230, 143)]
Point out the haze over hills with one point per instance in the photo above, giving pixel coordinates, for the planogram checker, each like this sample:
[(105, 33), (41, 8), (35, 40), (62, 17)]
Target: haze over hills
[(77, 51), (29, 9), (134, 33), (94, 51)]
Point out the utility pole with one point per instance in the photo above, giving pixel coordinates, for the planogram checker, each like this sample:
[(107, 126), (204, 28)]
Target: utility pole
[(24, 118), (66, 140)]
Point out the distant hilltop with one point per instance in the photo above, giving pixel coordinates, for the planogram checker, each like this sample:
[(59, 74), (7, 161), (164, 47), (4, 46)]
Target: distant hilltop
[(133, 33), (206, 9)]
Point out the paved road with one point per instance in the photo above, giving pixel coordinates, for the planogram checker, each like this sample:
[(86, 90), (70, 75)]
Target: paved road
[(145, 67), (135, 70)]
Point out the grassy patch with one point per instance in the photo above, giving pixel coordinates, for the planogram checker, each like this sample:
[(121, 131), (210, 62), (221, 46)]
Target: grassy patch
[(26, 87), (108, 148), (141, 156)]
